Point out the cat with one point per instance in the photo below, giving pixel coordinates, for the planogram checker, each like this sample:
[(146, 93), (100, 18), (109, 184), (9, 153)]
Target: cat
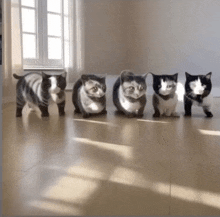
[(39, 89), (198, 92), (129, 94), (88, 95), (165, 97)]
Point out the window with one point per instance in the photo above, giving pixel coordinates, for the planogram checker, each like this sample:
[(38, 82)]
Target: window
[(43, 32)]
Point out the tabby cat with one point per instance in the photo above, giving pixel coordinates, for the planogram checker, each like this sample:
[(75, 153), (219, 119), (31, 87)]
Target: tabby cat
[(164, 97), (198, 92), (39, 89), (89, 95), (129, 94)]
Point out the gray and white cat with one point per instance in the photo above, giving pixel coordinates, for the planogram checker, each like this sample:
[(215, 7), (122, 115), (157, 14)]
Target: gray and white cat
[(39, 89), (198, 92), (165, 98), (129, 93), (89, 95)]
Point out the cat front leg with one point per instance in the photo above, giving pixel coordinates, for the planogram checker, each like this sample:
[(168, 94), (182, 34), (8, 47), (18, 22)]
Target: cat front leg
[(61, 107), (156, 113), (20, 105), (207, 111), (44, 110), (187, 106)]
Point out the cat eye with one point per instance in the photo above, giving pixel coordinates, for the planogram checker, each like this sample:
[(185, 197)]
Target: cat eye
[(141, 88), (131, 88), (95, 89)]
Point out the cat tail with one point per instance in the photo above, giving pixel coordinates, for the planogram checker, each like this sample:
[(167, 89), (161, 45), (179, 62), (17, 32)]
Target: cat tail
[(17, 76)]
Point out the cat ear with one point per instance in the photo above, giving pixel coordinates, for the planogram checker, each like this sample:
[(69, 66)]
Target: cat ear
[(145, 75), (103, 78), (187, 75), (64, 74), (208, 76), (84, 78), (126, 75), (45, 76), (175, 76)]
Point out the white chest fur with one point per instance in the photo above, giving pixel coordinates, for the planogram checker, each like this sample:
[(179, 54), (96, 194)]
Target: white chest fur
[(88, 104), (167, 106), (132, 107)]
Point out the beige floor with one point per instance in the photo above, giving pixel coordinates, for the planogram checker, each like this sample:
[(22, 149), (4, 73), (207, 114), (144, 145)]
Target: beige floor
[(111, 165)]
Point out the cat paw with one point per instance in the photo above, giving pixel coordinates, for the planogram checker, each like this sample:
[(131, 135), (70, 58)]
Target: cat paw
[(45, 115), (130, 115), (61, 113), (140, 115), (76, 111), (18, 115), (188, 115), (104, 112), (155, 115), (86, 115), (209, 115), (175, 115)]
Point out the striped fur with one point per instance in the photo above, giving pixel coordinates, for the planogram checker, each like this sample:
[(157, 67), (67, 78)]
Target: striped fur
[(40, 89)]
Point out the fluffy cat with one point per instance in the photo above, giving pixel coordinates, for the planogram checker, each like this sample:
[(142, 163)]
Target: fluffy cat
[(129, 94), (89, 95), (198, 92), (164, 97), (40, 89)]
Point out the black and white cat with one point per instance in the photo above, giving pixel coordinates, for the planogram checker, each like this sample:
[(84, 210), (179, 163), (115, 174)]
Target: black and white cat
[(198, 92), (165, 97), (129, 93), (89, 95), (39, 89)]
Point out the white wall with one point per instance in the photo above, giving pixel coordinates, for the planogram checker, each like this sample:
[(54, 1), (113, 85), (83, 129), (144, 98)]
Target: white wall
[(169, 36)]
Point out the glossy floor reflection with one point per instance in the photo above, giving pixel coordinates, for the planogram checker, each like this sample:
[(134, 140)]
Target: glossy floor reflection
[(110, 165)]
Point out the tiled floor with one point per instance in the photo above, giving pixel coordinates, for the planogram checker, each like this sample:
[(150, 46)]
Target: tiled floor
[(111, 165)]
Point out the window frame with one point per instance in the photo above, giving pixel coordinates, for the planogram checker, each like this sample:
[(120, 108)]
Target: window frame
[(42, 60)]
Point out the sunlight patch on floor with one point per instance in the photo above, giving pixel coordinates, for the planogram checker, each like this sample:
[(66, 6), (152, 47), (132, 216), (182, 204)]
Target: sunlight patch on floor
[(95, 122), (152, 121), (124, 151), (56, 207), (210, 132)]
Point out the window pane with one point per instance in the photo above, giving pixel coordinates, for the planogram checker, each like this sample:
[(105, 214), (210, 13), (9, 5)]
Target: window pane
[(54, 6), (66, 7), (54, 48), (66, 28), (29, 46), (54, 25), (28, 20), (29, 3)]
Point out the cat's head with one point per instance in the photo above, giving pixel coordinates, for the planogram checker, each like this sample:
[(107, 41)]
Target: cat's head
[(53, 83), (94, 85), (165, 84), (133, 86), (198, 84)]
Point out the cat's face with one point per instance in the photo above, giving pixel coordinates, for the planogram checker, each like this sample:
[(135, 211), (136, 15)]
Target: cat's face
[(133, 86), (165, 84), (94, 85), (53, 83), (198, 84)]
